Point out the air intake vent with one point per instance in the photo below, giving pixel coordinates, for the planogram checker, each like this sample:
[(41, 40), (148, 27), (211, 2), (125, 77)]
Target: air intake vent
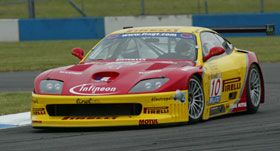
[(94, 109)]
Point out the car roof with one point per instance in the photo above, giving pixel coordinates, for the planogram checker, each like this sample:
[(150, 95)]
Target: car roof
[(180, 29)]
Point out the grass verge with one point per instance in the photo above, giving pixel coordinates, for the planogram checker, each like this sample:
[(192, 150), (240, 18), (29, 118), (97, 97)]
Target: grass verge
[(15, 102), (266, 48), (39, 55)]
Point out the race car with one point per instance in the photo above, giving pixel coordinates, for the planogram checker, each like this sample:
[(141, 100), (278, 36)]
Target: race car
[(149, 76)]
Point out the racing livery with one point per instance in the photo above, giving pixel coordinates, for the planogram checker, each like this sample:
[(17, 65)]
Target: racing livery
[(149, 76)]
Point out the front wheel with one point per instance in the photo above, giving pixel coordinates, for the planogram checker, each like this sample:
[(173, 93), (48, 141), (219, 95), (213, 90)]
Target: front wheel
[(195, 99), (254, 89)]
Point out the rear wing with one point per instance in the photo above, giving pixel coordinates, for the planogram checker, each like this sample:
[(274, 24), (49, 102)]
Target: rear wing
[(269, 29)]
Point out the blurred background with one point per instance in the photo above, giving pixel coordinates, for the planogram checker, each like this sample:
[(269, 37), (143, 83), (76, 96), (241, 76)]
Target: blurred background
[(77, 8)]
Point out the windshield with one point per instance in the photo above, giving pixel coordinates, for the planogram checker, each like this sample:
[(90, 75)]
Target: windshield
[(145, 46)]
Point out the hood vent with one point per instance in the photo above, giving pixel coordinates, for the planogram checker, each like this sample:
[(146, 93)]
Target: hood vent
[(80, 67), (105, 76)]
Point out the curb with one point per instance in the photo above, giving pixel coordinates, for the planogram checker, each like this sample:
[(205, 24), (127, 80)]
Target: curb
[(15, 120)]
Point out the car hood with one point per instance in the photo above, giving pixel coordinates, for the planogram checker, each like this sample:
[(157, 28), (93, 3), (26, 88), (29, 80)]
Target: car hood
[(113, 77)]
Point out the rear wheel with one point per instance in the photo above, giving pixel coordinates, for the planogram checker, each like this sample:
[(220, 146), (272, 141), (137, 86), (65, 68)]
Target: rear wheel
[(196, 100), (254, 89)]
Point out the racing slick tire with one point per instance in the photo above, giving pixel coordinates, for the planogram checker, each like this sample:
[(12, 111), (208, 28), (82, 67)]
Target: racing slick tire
[(195, 100), (254, 89)]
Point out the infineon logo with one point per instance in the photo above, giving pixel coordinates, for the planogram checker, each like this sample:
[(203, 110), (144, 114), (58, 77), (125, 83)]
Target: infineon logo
[(91, 89)]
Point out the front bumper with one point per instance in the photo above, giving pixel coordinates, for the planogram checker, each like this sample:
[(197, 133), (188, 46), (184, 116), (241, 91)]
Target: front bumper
[(157, 108)]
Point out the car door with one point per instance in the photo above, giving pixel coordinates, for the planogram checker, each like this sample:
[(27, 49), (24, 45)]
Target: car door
[(223, 74)]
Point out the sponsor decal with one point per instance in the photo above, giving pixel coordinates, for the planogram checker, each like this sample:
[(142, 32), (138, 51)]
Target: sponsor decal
[(231, 84), (155, 99), (215, 90), (154, 34), (244, 104), (154, 30), (91, 89), (156, 110), (150, 72), (132, 59), (239, 105), (38, 111), (157, 34), (70, 72), (34, 121), (217, 110), (86, 101), (89, 117), (148, 122)]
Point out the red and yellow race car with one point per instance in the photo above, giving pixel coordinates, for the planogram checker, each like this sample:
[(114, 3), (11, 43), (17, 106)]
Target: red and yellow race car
[(149, 76)]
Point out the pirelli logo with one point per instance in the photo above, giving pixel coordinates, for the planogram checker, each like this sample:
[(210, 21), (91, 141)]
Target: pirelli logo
[(231, 84), (156, 110)]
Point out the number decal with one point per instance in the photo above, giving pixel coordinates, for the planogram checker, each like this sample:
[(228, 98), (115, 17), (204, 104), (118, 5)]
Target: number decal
[(215, 90)]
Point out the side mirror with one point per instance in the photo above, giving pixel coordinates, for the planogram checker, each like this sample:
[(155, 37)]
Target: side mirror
[(78, 52), (215, 51)]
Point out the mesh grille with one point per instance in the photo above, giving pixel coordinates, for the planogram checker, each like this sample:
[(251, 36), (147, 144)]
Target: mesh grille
[(94, 109)]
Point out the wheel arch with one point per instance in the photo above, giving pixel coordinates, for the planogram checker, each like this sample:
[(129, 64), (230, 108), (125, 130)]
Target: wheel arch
[(262, 80), (253, 60)]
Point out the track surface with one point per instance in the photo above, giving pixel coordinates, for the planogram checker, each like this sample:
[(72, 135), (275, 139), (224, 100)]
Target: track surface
[(17, 81), (259, 131)]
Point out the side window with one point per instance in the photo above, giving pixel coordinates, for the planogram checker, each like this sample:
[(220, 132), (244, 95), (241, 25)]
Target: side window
[(226, 45), (209, 40)]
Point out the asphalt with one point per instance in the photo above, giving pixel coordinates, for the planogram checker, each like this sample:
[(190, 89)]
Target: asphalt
[(256, 132), (17, 81)]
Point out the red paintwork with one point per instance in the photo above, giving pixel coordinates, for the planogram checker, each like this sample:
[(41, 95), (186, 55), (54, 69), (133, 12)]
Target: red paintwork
[(126, 75), (78, 52), (80, 67)]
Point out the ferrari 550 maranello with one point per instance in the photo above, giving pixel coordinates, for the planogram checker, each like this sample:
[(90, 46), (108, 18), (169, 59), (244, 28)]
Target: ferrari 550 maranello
[(149, 76)]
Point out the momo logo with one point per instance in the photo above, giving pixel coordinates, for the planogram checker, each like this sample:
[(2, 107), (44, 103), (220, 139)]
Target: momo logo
[(91, 89), (148, 122)]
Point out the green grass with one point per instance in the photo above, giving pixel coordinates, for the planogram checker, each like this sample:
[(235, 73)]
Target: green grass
[(24, 56), (266, 48), (42, 55), (62, 9), (15, 102)]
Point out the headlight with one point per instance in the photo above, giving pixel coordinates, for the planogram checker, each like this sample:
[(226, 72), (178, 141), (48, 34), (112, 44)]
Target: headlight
[(149, 85), (51, 86)]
